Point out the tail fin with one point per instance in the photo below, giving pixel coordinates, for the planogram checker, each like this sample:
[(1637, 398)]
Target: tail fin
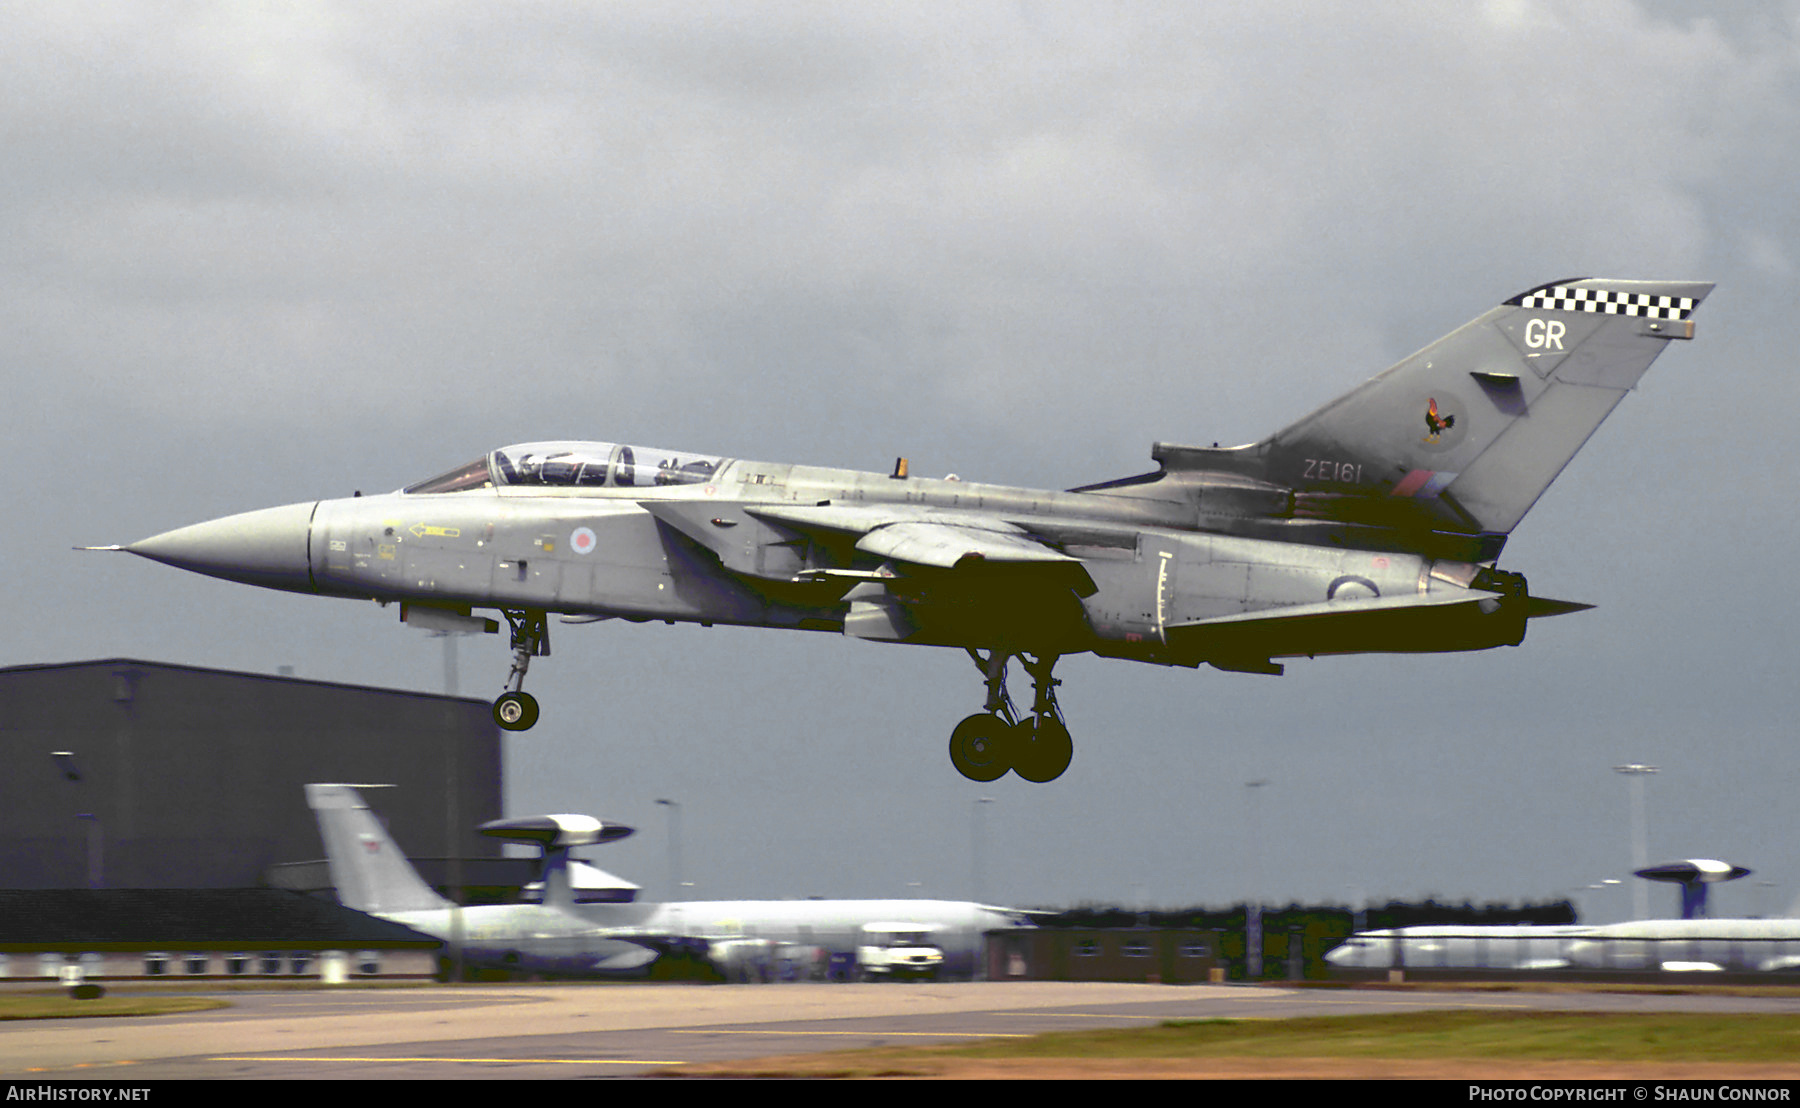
[(369, 871), (1465, 435)]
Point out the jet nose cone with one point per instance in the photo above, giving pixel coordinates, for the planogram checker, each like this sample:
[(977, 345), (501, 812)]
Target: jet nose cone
[(266, 547)]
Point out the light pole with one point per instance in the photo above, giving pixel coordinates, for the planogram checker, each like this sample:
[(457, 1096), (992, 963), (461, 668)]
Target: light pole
[(1253, 937), (977, 828), (96, 848), (96, 857), (674, 844), (442, 624), (453, 801), (1762, 898), (1602, 885), (1640, 852), (450, 666)]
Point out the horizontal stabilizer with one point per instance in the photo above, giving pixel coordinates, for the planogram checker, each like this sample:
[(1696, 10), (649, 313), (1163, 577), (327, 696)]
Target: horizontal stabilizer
[(1462, 619), (1327, 608)]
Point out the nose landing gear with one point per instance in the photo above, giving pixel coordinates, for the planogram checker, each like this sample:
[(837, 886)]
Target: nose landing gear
[(987, 744), (515, 709)]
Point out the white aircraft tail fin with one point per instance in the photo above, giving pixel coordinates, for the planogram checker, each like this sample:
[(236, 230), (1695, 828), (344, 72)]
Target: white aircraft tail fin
[(370, 872)]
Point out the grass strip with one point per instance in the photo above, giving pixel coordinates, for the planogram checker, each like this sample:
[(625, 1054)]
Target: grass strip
[(41, 1006), (1514, 1036)]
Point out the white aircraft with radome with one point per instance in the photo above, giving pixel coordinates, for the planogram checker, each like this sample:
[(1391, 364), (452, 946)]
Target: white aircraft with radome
[(1695, 942), (1665, 945), (575, 930), (1692, 944)]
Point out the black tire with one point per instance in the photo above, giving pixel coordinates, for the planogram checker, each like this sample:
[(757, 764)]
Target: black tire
[(981, 747), (1044, 750), (516, 711)]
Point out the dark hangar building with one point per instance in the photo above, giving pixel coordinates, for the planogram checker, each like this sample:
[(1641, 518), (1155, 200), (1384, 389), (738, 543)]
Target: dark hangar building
[(182, 777)]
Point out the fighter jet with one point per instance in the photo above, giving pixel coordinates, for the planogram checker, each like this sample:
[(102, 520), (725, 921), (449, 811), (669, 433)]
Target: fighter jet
[(572, 931), (1372, 525)]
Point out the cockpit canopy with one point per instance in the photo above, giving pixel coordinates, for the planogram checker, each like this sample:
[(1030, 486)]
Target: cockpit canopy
[(575, 465)]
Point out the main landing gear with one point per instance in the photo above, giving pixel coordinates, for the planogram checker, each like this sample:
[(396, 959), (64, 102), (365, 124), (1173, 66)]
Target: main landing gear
[(516, 709), (987, 744)]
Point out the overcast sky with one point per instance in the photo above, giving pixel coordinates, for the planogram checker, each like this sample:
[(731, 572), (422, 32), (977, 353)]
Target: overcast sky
[(253, 254)]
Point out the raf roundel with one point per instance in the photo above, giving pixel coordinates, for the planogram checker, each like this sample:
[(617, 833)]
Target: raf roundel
[(582, 540)]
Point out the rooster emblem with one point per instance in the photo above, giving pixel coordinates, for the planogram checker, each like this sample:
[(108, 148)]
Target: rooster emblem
[(1435, 423)]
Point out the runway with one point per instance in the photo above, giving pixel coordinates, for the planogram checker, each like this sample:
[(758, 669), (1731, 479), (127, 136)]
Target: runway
[(569, 1031)]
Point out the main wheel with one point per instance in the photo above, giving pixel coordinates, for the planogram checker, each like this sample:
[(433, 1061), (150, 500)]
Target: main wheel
[(980, 747), (1044, 750), (516, 711)]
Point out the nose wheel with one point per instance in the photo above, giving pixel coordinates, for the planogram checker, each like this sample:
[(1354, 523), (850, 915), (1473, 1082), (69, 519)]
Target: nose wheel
[(515, 709), (987, 744)]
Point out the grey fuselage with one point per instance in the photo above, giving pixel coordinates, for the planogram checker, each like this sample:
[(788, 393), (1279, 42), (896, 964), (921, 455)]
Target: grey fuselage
[(1371, 525), (697, 553)]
